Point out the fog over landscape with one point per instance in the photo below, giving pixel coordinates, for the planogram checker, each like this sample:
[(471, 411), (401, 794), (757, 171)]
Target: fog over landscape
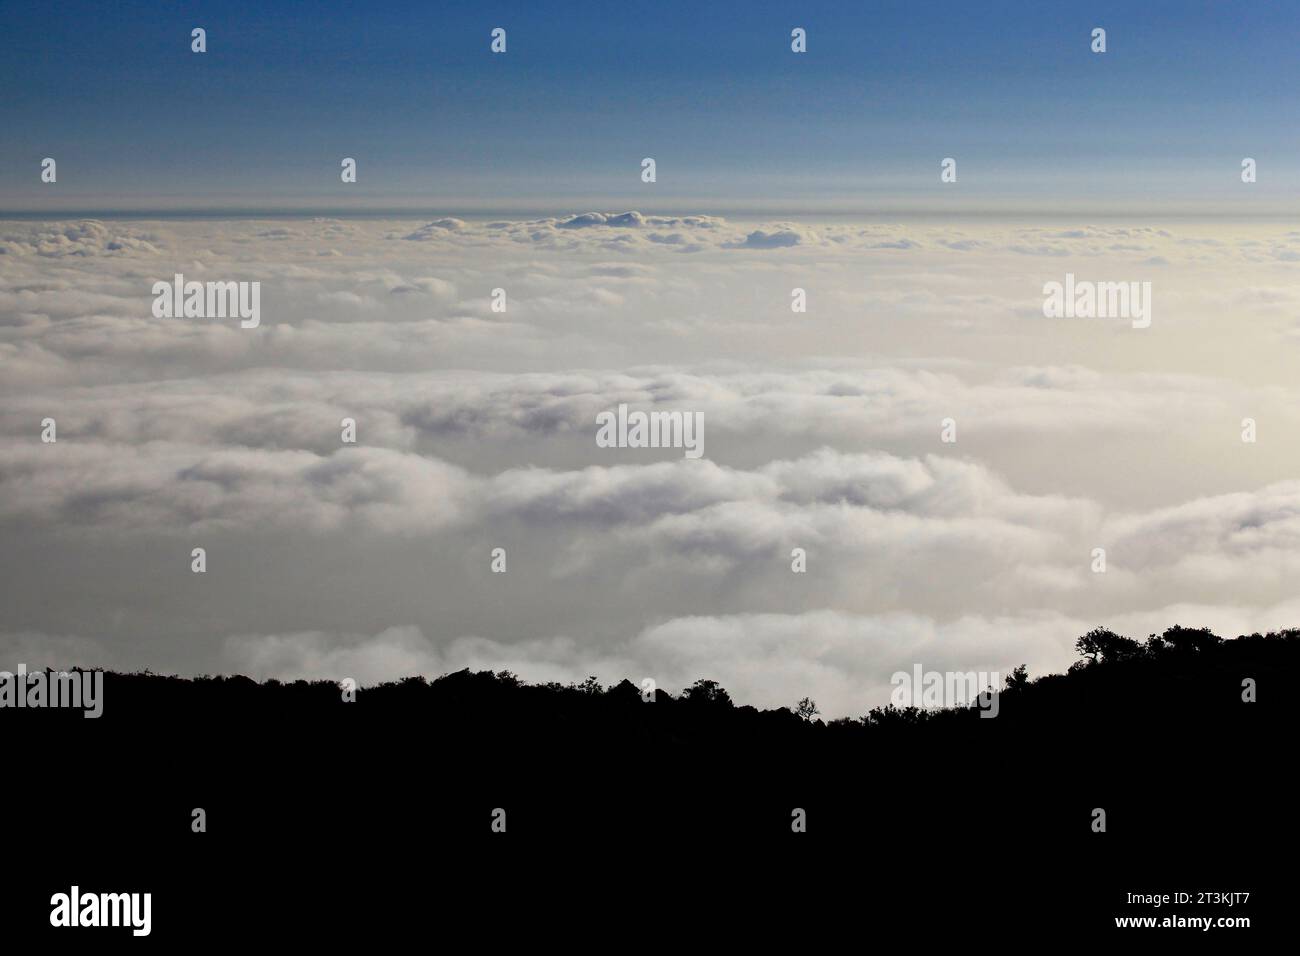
[(477, 430)]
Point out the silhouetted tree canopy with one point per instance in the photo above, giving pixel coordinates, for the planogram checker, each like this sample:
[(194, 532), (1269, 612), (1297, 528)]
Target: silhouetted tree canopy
[(1101, 644), (1185, 674)]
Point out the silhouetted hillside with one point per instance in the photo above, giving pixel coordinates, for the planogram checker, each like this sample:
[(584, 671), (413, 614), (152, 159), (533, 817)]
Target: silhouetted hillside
[(1194, 781), (1126, 711)]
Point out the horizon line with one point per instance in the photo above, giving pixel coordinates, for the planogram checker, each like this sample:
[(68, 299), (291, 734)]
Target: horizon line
[(528, 211)]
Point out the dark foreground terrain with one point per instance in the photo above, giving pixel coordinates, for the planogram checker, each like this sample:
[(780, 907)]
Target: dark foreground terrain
[(343, 820)]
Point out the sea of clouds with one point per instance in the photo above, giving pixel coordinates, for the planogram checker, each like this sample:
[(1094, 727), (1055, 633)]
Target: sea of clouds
[(476, 430)]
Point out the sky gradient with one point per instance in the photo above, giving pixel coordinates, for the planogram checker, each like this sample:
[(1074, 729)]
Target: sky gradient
[(734, 119)]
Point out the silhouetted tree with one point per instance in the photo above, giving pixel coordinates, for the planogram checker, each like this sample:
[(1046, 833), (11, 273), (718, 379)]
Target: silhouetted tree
[(807, 708), (1186, 640), (1018, 679), (590, 686), (707, 692), (1106, 645), (889, 716)]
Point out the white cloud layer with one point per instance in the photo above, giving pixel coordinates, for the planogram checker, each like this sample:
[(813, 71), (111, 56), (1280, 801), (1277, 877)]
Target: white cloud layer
[(476, 429)]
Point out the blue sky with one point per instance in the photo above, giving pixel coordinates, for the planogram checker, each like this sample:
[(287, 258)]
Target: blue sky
[(712, 91)]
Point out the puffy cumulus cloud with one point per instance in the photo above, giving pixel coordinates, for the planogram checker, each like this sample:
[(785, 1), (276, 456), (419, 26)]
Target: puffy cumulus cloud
[(1268, 518), (883, 530), (848, 404), (586, 220), (935, 487), (625, 231), (634, 220), (776, 239), (853, 502), (622, 494), (1244, 543), (88, 237), (427, 285), (162, 484), (263, 450), (163, 487), (435, 230)]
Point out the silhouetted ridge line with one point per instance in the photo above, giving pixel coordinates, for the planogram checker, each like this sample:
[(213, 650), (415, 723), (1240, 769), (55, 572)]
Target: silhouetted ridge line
[(1184, 671)]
